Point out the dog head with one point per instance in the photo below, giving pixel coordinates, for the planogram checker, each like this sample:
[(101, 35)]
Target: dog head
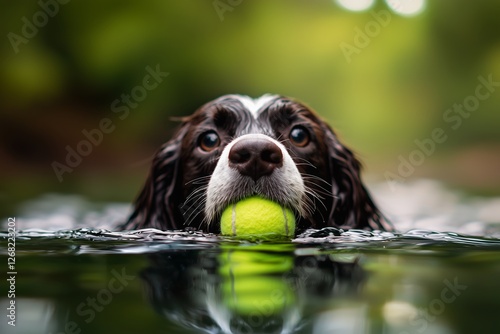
[(235, 147)]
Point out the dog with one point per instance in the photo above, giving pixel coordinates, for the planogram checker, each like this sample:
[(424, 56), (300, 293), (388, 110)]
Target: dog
[(273, 146)]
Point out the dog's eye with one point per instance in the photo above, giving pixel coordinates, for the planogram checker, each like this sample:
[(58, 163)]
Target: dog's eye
[(299, 136), (209, 141)]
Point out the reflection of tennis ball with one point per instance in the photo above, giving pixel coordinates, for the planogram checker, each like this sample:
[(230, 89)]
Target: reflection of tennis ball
[(257, 216), (253, 281), (257, 295)]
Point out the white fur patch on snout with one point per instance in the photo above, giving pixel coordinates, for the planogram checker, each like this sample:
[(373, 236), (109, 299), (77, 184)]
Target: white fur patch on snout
[(284, 185)]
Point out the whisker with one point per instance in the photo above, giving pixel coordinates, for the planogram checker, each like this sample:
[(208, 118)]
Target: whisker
[(199, 180), (315, 177), (279, 139), (304, 162), (196, 193), (309, 206), (320, 189), (203, 222), (194, 210), (317, 197)]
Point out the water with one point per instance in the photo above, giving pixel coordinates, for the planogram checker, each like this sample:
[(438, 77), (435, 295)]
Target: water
[(75, 277)]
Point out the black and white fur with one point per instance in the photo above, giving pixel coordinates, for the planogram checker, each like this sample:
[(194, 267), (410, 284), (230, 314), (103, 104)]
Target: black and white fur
[(236, 146)]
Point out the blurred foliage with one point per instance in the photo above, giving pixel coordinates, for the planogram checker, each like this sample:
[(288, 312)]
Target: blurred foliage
[(395, 90)]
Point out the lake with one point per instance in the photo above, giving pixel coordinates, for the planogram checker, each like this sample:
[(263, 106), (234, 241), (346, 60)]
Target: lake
[(73, 274)]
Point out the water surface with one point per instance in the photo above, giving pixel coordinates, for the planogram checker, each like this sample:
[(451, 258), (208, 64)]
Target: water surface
[(72, 276)]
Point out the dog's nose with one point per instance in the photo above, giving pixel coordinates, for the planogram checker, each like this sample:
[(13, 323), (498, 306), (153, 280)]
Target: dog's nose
[(255, 157)]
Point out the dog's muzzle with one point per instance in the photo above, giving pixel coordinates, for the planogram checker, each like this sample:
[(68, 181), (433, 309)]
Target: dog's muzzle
[(254, 164)]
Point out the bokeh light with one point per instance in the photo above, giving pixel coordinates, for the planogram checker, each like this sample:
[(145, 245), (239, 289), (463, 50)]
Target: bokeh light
[(356, 5), (407, 7)]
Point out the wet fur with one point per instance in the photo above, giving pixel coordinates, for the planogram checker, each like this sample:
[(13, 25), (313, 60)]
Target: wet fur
[(173, 196)]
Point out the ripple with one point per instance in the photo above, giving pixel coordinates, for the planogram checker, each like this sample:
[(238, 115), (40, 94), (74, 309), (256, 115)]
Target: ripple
[(87, 240)]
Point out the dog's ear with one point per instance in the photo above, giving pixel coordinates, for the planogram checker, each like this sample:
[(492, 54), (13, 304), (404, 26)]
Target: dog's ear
[(352, 206), (158, 204)]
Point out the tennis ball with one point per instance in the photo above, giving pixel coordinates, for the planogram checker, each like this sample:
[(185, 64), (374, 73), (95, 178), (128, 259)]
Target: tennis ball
[(257, 217)]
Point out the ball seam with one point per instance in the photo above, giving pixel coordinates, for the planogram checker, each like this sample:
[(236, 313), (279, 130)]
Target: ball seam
[(233, 220), (286, 220)]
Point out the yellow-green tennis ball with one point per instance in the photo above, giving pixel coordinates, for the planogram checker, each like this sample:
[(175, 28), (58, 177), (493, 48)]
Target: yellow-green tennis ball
[(257, 217)]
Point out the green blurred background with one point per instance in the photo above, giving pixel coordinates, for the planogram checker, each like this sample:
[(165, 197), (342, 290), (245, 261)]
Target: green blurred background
[(388, 93)]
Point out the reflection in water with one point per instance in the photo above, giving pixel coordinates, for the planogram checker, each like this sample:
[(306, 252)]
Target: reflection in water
[(245, 288)]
